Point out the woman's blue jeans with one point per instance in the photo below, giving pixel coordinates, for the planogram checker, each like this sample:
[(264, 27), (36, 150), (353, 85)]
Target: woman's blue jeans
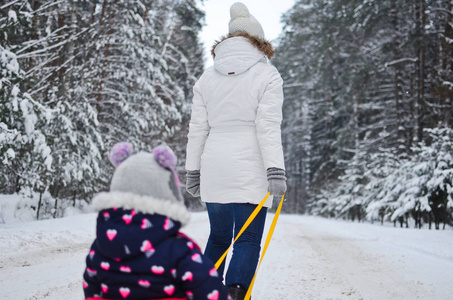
[(223, 219)]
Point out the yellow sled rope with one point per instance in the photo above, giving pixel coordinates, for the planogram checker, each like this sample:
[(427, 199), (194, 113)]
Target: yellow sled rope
[(268, 239)]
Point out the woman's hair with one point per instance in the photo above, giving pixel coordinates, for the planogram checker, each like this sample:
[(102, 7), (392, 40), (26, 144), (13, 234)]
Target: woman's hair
[(261, 44)]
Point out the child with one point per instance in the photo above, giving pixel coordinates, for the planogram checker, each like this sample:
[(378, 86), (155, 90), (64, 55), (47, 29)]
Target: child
[(139, 252)]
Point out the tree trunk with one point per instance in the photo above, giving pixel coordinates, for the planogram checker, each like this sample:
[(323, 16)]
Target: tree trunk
[(397, 94), (105, 10), (71, 56), (55, 208), (420, 23), (34, 30), (39, 206), (448, 69)]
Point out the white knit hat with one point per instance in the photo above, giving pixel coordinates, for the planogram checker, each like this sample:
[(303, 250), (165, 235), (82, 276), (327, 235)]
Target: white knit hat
[(243, 21)]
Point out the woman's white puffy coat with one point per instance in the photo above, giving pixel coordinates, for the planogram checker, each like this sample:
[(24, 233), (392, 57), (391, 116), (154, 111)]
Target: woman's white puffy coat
[(234, 132)]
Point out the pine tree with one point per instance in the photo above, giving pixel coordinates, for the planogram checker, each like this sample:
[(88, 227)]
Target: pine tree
[(363, 80), (78, 76)]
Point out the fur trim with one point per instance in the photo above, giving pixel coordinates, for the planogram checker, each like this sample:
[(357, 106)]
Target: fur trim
[(143, 204), (261, 44)]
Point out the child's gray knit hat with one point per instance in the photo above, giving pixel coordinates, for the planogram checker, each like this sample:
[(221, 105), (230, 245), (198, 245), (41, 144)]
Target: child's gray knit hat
[(145, 182)]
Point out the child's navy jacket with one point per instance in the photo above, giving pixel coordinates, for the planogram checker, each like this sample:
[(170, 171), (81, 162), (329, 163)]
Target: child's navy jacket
[(144, 256)]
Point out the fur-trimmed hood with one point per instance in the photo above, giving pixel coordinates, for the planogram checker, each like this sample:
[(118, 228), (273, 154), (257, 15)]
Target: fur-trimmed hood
[(143, 204), (126, 220), (237, 53), (259, 43)]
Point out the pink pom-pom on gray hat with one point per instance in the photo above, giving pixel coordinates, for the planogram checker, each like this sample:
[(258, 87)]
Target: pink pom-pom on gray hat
[(144, 173), (146, 182), (119, 153), (166, 158)]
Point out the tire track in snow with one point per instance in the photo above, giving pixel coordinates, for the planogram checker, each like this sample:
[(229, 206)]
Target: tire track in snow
[(60, 273), (327, 266), (293, 255)]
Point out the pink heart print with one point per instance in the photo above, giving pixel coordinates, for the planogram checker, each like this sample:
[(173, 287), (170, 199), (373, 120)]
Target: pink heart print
[(169, 289), (85, 284), (190, 245), (173, 273), (197, 258), (127, 219), (147, 248), (214, 295), (189, 295), (111, 234), (125, 292), (91, 272), (213, 272), (91, 254), (106, 216), (146, 224), (125, 269), (144, 283), (105, 265), (188, 276), (104, 288), (168, 224), (157, 269)]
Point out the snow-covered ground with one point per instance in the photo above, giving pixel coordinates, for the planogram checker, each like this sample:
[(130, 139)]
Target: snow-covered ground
[(308, 258)]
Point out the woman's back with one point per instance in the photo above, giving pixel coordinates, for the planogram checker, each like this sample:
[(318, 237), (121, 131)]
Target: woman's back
[(236, 116), (234, 86)]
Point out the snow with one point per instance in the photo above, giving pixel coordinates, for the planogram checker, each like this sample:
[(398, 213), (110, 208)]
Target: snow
[(11, 153), (308, 258), (12, 16), (9, 58), (15, 91), (12, 210)]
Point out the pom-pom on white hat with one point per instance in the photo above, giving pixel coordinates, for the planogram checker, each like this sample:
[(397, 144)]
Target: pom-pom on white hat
[(242, 21)]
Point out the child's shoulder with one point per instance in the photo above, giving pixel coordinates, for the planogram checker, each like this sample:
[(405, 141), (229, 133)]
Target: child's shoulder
[(180, 246), (189, 241)]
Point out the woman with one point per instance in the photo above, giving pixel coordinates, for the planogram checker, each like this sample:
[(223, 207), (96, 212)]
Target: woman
[(234, 150)]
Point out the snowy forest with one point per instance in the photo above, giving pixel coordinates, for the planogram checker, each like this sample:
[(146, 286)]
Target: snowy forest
[(368, 116), (368, 109), (78, 76)]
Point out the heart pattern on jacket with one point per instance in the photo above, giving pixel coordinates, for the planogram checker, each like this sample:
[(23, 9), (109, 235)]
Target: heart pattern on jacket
[(157, 269), (111, 234), (127, 219), (127, 254), (124, 292), (188, 276), (169, 289)]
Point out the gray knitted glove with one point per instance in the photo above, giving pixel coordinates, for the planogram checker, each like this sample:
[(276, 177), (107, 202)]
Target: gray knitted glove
[(277, 181), (193, 183)]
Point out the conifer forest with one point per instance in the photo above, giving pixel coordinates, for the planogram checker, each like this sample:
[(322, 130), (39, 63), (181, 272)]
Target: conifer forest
[(368, 112)]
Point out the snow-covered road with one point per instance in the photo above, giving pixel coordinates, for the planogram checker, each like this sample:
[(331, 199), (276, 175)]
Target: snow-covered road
[(308, 258), (324, 259)]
